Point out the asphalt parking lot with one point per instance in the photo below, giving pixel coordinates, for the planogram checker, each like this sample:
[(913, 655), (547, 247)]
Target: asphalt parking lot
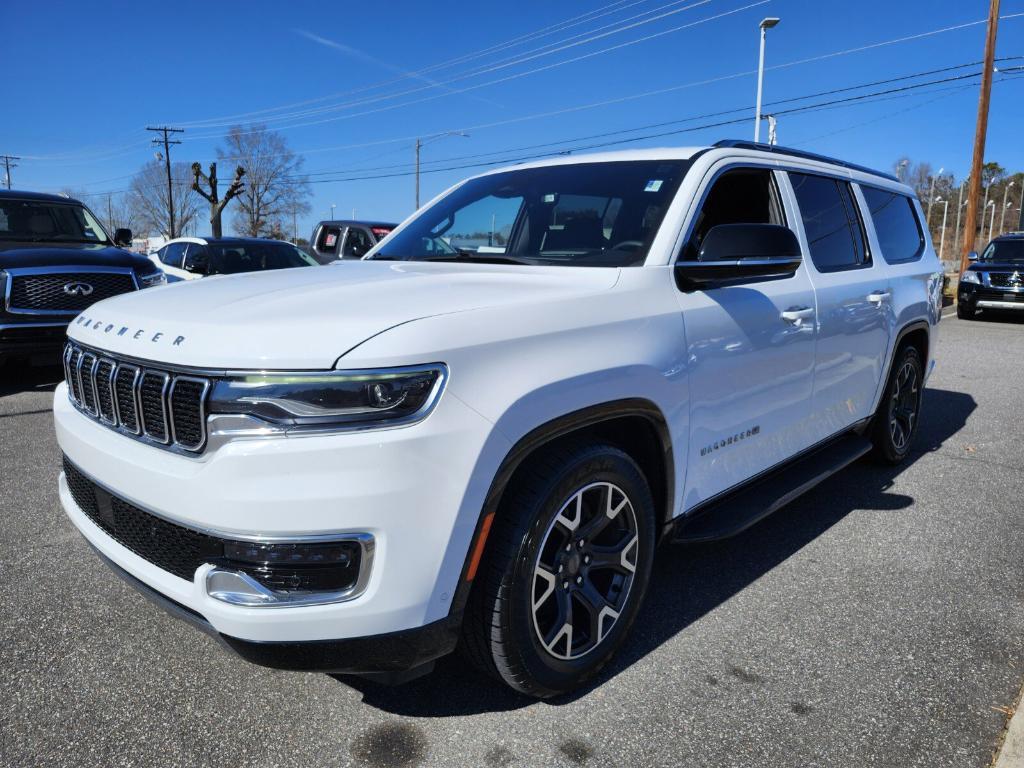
[(876, 621)]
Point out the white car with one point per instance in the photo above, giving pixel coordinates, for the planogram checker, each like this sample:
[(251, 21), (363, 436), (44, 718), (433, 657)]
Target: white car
[(356, 471), (190, 258)]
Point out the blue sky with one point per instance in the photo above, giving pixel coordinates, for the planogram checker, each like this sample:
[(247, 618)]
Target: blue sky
[(346, 84)]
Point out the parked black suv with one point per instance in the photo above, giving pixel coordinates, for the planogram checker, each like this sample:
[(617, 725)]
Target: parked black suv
[(994, 280), (55, 260), (343, 239)]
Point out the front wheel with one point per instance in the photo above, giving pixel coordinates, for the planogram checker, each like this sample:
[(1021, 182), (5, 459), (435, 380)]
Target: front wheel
[(896, 420), (567, 567), (963, 312)]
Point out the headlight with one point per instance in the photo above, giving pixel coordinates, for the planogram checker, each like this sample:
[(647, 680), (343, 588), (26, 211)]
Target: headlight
[(152, 278), (332, 400), (970, 277)]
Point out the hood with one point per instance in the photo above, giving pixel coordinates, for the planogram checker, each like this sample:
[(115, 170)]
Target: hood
[(996, 266), (307, 318), (21, 254)]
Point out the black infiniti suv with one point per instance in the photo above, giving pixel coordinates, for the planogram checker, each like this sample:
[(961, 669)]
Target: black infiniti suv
[(994, 280), (55, 260)]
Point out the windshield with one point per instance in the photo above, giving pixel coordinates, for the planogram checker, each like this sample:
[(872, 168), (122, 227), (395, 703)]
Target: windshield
[(587, 214), (39, 221), (232, 258), (1005, 250)]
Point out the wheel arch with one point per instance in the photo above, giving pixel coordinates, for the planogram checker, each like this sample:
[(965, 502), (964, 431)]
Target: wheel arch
[(636, 425), (916, 332)]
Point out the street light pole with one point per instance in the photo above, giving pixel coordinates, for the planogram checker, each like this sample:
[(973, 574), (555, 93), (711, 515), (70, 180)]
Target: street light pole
[(991, 222), (942, 235), (959, 210), (931, 196), (419, 146), (1002, 216), (765, 25)]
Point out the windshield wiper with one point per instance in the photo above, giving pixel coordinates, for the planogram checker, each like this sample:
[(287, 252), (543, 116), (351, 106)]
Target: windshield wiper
[(466, 255)]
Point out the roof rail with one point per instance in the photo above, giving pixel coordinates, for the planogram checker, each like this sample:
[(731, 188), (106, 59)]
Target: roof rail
[(775, 149)]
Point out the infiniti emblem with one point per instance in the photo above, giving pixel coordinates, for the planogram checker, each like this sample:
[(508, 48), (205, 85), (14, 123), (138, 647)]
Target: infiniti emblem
[(77, 289), (1014, 279)]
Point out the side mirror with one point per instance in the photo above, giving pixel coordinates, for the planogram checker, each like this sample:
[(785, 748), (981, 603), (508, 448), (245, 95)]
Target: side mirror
[(122, 237), (733, 253), (972, 256)]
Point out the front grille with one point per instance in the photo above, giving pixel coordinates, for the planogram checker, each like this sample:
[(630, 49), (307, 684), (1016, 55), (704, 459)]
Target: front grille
[(990, 295), (1006, 279), (180, 550), (171, 547), (159, 405), (65, 291)]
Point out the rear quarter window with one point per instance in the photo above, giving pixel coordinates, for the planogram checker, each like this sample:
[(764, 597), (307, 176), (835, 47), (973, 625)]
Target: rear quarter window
[(896, 225)]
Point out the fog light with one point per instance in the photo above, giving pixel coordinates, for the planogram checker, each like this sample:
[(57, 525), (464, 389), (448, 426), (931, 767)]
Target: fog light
[(291, 573)]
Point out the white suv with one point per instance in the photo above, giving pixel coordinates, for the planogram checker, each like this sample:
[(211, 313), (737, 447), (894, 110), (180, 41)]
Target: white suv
[(479, 434)]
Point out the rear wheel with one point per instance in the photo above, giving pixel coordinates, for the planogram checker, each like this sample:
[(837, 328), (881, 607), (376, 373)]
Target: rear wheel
[(567, 567), (896, 420)]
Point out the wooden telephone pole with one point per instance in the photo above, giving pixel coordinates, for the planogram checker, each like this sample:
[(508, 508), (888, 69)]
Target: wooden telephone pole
[(970, 226), (166, 141)]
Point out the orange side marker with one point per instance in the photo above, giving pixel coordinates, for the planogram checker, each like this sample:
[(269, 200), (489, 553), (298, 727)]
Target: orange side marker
[(478, 550)]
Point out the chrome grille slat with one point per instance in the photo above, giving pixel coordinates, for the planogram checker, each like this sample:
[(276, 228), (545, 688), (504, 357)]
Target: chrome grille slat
[(161, 407)]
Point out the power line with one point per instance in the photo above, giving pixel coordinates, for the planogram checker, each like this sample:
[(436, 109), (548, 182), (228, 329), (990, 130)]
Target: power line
[(590, 16)]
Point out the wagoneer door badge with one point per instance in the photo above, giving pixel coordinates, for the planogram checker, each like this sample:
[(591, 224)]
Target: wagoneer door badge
[(730, 440), (140, 334)]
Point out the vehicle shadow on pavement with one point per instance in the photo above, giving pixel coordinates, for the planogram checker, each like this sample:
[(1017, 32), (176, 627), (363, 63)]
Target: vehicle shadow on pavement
[(1008, 318), (15, 379), (690, 581)]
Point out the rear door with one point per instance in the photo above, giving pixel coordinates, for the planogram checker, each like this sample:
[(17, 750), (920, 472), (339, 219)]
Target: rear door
[(853, 299), (750, 347)]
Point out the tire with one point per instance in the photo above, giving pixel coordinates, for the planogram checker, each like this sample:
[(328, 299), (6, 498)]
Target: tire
[(896, 420), (529, 582), (963, 313)]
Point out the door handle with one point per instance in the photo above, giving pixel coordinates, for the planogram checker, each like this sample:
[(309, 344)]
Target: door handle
[(877, 297), (796, 315)]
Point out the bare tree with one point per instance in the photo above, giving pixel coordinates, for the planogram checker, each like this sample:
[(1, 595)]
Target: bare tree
[(274, 184), (148, 196), (113, 210), (216, 204)]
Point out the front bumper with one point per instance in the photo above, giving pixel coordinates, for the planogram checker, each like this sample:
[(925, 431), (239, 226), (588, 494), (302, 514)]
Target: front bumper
[(41, 339), (975, 296), (379, 655), (411, 488)]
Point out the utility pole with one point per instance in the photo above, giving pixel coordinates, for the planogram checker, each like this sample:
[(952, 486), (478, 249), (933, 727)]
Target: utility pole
[(979, 134), (166, 141), (110, 214), (7, 167)]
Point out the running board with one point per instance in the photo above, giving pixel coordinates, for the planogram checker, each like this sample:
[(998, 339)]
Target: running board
[(737, 510)]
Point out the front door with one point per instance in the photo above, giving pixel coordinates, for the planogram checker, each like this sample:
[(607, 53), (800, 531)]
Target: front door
[(853, 302), (750, 350)]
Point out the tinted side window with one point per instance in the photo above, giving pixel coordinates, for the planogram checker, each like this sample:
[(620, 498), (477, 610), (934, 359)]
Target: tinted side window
[(327, 242), (173, 254), (831, 222), (740, 196), (357, 242), (895, 220)]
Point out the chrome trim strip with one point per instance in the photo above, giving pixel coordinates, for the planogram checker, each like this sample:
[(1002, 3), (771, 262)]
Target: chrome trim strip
[(5, 326), (110, 383), (163, 405), (135, 403), (72, 270), (205, 383), (987, 304)]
